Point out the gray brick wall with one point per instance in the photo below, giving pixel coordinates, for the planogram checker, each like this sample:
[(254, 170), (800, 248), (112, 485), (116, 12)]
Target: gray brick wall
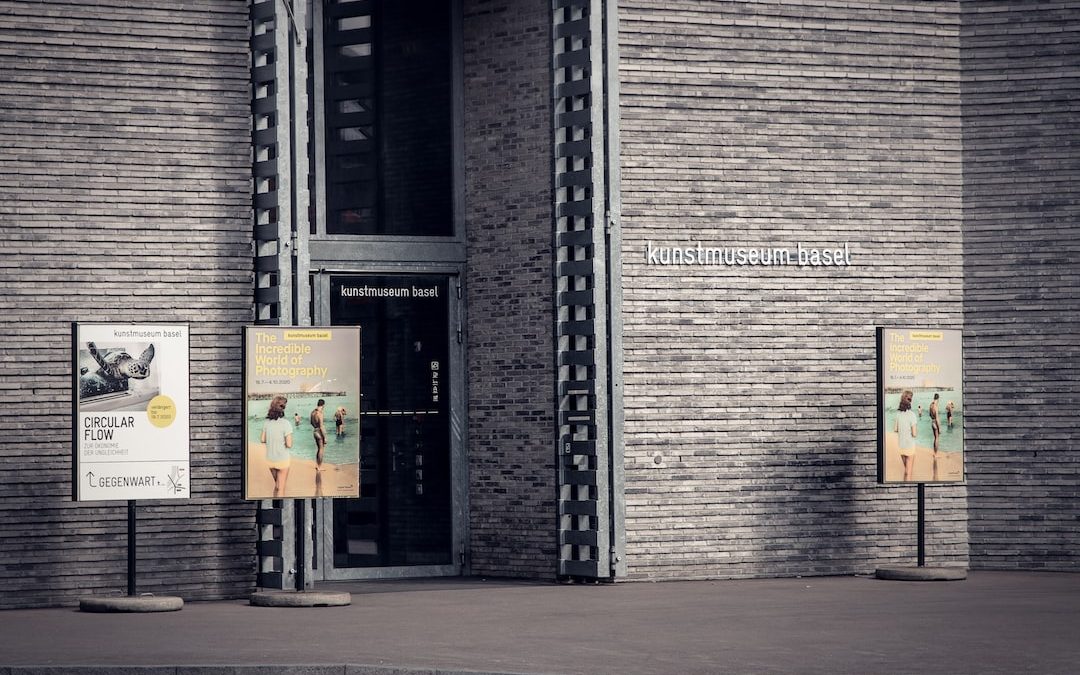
[(1020, 90), (749, 391), (512, 516), (125, 175)]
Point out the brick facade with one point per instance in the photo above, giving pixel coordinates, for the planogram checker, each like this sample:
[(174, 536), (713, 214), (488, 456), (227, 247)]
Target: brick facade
[(125, 168), (1021, 83), (508, 204), (749, 390), (935, 140)]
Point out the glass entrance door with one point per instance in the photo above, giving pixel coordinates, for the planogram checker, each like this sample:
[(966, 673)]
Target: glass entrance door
[(403, 523)]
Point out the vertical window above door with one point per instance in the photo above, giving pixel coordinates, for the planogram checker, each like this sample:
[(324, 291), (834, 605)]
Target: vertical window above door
[(384, 103)]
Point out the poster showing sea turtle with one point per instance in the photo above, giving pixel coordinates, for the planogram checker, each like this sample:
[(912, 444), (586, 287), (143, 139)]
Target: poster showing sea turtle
[(110, 378)]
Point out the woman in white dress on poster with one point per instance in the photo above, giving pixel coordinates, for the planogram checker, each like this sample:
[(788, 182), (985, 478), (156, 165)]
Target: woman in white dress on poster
[(277, 435), (907, 428)]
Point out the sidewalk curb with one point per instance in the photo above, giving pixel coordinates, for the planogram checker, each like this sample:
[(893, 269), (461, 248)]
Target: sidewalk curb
[(295, 669)]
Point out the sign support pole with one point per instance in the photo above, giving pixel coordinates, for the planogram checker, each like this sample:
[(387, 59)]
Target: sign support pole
[(301, 553), (921, 524), (131, 549)]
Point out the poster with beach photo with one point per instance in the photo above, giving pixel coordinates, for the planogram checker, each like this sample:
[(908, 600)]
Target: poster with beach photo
[(301, 412), (920, 405)]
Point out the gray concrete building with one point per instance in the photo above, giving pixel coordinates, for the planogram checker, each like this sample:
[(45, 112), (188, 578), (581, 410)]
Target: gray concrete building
[(618, 401)]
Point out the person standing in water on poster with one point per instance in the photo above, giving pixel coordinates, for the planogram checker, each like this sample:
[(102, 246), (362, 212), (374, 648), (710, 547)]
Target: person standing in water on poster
[(277, 435), (934, 423), (339, 420), (318, 425), (906, 427)]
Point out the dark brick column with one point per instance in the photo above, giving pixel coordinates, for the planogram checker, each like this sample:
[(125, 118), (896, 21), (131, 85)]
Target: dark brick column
[(508, 168)]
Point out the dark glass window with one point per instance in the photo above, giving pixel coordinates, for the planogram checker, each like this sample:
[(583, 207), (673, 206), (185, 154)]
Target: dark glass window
[(387, 95), (404, 513)]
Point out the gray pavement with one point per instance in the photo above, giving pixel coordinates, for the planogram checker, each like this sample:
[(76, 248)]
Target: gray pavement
[(992, 622)]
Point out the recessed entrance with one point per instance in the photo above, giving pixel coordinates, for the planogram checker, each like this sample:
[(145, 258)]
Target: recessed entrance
[(403, 522)]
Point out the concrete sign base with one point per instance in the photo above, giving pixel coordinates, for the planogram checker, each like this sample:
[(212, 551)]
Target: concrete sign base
[(126, 603), (300, 599), (921, 573)]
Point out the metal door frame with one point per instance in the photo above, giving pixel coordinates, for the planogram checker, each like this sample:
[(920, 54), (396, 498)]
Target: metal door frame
[(390, 255), (323, 558)]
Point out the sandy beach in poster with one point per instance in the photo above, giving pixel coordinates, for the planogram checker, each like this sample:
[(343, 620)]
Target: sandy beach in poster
[(337, 480), (950, 464)]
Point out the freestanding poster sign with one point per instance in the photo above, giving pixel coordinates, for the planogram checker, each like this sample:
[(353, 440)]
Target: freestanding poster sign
[(920, 406), (130, 422), (920, 411), (130, 427), (301, 412)]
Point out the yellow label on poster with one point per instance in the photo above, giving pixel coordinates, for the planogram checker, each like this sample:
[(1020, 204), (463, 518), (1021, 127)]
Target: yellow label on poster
[(161, 411), (307, 334), (927, 335)]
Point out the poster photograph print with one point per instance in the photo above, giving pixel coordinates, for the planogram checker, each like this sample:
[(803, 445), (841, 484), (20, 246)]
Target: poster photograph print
[(130, 432), (920, 406), (302, 412)]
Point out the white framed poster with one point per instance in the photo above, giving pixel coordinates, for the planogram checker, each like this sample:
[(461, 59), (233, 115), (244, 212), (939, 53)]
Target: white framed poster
[(130, 419), (920, 405)]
